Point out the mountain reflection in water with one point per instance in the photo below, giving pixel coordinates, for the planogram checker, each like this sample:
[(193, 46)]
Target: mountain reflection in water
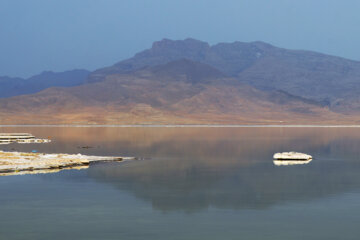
[(184, 184), (192, 169)]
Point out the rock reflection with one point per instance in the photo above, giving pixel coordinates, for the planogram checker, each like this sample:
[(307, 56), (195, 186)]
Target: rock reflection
[(169, 185), (42, 171), (291, 162), (235, 174)]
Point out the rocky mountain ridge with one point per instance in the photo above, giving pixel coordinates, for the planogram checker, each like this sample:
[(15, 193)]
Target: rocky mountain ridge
[(328, 79), (191, 82)]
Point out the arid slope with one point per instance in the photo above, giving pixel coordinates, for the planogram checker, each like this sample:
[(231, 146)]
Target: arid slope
[(178, 92)]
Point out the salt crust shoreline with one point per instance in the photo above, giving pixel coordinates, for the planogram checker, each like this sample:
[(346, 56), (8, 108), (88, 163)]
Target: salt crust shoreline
[(192, 126), (17, 163)]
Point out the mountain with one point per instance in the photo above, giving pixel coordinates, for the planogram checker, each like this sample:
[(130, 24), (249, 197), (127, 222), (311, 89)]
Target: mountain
[(334, 81), (191, 82), (18, 86), (177, 92)]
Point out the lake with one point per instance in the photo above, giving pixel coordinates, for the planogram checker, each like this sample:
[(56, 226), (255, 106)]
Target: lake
[(192, 183)]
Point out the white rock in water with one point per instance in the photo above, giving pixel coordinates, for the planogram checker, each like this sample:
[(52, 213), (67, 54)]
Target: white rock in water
[(292, 156), (21, 161)]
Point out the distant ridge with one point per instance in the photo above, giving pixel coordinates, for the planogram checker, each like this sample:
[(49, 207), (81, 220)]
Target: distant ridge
[(19, 86)]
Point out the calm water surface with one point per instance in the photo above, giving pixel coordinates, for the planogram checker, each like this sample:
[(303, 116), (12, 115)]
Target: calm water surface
[(199, 183)]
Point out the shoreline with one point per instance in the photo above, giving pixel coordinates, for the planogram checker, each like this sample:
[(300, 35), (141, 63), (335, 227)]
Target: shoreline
[(188, 126)]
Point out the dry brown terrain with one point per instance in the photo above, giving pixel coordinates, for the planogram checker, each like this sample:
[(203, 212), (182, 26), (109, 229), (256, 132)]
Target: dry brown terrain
[(147, 98)]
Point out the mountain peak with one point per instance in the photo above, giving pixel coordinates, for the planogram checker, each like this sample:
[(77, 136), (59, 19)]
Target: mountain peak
[(262, 44), (188, 43)]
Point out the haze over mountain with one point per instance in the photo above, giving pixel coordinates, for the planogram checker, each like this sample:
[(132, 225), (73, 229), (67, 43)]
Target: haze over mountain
[(19, 86), (190, 81), (328, 79)]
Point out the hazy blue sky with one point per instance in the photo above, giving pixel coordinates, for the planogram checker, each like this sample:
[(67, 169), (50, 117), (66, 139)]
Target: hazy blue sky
[(37, 35)]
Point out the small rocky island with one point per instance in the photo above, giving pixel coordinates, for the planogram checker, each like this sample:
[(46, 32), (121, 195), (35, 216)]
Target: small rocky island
[(291, 158)]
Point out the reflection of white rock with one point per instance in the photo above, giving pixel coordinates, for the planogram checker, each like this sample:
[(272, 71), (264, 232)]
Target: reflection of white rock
[(291, 156), (42, 171), (7, 138), (35, 140), (291, 162)]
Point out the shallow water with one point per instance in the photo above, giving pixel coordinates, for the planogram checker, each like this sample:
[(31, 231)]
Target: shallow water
[(195, 183)]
